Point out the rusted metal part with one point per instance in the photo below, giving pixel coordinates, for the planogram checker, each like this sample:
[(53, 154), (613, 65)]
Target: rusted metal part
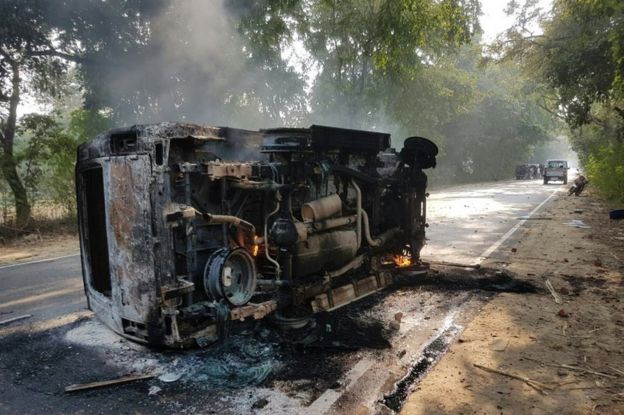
[(177, 290), (257, 311), (217, 170), (170, 215), (340, 296)]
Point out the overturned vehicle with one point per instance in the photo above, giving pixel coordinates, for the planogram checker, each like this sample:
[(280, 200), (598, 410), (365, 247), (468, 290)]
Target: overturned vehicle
[(187, 229)]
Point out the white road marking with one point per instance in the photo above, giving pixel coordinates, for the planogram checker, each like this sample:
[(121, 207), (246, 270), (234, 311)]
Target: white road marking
[(510, 232), (38, 261)]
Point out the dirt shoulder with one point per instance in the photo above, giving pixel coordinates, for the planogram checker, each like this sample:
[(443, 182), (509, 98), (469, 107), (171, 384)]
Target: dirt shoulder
[(34, 247), (573, 349)]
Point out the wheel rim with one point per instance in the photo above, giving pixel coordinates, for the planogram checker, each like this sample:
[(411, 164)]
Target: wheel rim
[(230, 275)]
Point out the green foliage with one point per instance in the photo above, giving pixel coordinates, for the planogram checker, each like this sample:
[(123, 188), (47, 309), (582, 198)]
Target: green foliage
[(580, 57), (408, 67), (601, 150), (31, 151), (47, 153), (498, 130), (358, 53), (605, 169), (85, 124), (40, 41), (374, 55)]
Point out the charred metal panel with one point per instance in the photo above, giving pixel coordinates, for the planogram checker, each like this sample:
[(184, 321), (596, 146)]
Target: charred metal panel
[(130, 243), (186, 229)]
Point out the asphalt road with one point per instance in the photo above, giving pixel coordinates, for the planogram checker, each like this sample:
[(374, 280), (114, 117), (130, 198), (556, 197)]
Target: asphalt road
[(464, 223), (470, 223), (45, 289), (353, 373)]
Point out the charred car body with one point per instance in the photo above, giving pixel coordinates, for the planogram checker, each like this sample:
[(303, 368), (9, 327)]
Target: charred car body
[(185, 229)]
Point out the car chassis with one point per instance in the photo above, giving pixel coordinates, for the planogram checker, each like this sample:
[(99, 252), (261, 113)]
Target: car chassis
[(186, 229)]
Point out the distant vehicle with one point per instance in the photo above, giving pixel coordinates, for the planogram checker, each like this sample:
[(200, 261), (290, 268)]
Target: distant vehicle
[(535, 171), (556, 170), (521, 171), (528, 171)]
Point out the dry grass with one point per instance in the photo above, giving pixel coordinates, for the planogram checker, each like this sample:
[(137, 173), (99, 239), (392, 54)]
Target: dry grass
[(47, 218)]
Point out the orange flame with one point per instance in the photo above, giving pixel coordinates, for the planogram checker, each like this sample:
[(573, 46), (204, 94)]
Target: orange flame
[(402, 260), (255, 249)]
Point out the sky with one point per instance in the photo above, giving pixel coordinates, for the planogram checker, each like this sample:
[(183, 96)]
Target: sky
[(494, 20)]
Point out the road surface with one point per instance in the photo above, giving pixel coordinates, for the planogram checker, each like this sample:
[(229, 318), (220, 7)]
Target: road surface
[(45, 289), (464, 222), (467, 224)]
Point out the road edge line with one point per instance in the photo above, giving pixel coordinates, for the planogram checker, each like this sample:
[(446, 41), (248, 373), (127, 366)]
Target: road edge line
[(38, 261), (489, 251)]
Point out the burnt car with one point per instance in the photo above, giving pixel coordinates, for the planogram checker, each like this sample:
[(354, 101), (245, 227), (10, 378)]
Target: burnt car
[(187, 229)]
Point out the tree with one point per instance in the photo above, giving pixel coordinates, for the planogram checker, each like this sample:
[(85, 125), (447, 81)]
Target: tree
[(193, 64), (38, 42), (48, 152), (579, 55), (580, 58), (407, 67), (362, 49), (26, 53)]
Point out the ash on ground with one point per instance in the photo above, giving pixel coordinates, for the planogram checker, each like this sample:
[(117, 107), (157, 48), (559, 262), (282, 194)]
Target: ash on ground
[(258, 368)]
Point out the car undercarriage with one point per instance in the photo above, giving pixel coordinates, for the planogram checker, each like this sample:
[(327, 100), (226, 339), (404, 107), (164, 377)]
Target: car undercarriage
[(187, 229)]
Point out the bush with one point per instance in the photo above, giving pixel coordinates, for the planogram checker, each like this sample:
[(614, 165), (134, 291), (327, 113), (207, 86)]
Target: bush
[(48, 170), (45, 151), (605, 169)]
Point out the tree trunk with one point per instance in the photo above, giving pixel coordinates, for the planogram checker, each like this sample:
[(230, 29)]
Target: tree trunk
[(9, 171), (8, 166)]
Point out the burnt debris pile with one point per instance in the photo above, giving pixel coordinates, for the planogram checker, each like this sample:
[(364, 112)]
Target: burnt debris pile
[(482, 279)]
